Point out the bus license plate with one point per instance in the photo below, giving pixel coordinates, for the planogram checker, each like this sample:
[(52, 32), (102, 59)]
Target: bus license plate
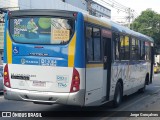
[(39, 83)]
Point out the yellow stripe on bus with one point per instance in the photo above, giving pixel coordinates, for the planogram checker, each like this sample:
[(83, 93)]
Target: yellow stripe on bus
[(94, 65), (9, 49), (71, 51)]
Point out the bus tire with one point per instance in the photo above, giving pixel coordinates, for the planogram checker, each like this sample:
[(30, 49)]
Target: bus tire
[(117, 95)]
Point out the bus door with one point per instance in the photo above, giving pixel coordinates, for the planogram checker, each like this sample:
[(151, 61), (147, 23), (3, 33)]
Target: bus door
[(106, 41)]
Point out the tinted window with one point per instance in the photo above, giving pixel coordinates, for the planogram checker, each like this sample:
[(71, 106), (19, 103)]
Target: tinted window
[(139, 50), (134, 49), (142, 50), (147, 51), (116, 39), (93, 39), (126, 44), (89, 44), (97, 44), (124, 48)]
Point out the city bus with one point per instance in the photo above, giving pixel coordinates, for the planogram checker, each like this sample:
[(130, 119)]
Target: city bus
[(72, 58)]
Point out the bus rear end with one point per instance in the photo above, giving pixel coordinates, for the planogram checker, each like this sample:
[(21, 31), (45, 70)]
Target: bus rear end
[(39, 60)]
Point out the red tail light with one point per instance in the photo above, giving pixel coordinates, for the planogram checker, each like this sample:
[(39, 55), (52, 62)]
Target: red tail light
[(9, 13), (75, 85), (6, 77)]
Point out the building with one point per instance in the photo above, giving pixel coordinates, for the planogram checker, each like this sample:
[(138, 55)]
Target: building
[(82, 4), (48, 4), (98, 10), (10, 5), (85, 6), (92, 7)]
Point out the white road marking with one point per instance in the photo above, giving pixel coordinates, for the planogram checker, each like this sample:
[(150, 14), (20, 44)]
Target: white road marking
[(128, 105)]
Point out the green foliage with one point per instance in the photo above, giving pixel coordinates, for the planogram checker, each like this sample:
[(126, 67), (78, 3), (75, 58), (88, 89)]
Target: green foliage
[(148, 23)]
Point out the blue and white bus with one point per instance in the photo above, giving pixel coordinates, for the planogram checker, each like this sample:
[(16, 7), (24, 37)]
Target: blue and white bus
[(71, 58)]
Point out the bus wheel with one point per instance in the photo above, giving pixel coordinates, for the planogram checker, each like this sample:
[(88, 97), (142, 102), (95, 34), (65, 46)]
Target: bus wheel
[(117, 95)]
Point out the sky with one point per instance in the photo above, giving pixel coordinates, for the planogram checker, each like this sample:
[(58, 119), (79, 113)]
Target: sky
[(137, 5), (140, 5)]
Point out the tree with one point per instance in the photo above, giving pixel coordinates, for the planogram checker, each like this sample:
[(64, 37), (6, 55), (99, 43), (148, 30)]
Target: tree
[(148, 23)]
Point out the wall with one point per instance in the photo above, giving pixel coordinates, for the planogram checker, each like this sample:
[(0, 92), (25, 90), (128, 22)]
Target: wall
[(82, 4), (47, 4), (11, 5), (8, 3), (101, 11)]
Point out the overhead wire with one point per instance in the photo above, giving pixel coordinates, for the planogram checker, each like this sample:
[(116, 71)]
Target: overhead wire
[(132, 14)]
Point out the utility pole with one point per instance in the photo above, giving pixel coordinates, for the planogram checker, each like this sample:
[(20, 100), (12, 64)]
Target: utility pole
[(129, 17)]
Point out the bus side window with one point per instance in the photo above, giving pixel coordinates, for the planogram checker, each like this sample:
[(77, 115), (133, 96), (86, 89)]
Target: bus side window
[(139, 50), (134, 49), (97, 44), (116, 40), (89, 42), (126, 45), (142, 50), (124, 48), (147, 50), (93, 41)]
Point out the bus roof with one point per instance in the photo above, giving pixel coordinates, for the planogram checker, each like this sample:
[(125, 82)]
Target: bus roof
[(116, 27), (32, 12), (89, 18)]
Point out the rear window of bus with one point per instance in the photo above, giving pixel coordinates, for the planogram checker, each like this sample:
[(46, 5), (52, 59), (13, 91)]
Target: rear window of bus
[(41, 30)]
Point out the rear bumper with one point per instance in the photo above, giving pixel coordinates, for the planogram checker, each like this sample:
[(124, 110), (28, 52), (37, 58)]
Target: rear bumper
[(76, 98)]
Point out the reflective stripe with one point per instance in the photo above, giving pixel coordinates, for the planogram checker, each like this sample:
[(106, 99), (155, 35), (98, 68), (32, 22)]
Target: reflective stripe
[(71, 51), (94, 65), (9, 49)]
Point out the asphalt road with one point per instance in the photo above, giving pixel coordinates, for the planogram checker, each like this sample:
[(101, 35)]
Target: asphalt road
[(148, 101)]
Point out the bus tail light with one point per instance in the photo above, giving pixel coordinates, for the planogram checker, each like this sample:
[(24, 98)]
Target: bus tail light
[(6, 77), (75, 85)]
